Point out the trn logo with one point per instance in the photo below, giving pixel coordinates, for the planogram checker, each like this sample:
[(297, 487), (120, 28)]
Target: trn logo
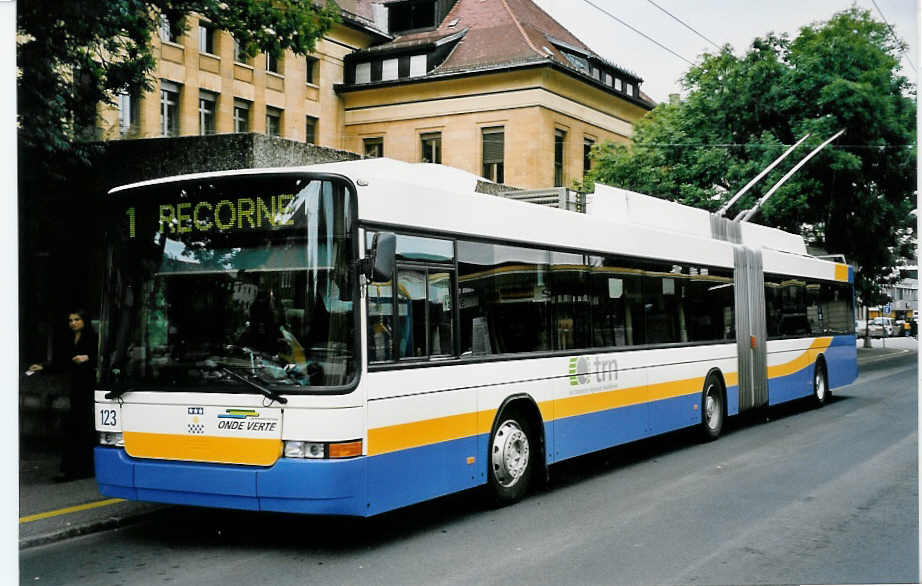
[(579, 370), (584, 370)]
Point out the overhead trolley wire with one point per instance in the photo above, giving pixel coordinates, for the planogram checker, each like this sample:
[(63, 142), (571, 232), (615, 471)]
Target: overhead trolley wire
[(893, 34), (680, 21), (638, 31), (762, 145)]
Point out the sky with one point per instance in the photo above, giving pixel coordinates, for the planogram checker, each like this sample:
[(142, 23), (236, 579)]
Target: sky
[(736, 22)]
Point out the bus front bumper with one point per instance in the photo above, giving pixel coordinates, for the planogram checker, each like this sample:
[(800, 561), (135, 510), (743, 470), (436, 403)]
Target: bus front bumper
[(324, 487)]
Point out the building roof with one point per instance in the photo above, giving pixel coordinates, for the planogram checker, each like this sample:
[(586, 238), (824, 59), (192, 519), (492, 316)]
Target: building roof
[(361, 14), (502, 33)]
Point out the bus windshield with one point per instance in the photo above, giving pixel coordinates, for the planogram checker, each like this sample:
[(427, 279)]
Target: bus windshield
[(240, 281)]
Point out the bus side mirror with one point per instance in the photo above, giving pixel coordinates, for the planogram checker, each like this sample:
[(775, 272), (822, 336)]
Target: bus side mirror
[(380, 269)]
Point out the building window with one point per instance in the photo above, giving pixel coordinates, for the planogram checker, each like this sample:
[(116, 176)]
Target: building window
[(608, 79), (588, 143), (127, 114), (417, 65), (389, 69), (273, 121), (273, 64), (493, 140), (362, 72), (431, 147), (310, 131), (311, 72), (619, 85), (241, 116), (374, 147), (169, 108), (206, 112), (206, 35), (239, 55), (629, 89), (166, 30), (560, 139)]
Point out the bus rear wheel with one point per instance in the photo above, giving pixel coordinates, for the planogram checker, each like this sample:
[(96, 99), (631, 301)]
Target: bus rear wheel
[(511, 460), (712, 408), (820, 385)]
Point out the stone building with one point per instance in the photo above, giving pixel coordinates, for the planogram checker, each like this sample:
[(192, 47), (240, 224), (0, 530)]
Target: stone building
[(494, 87)]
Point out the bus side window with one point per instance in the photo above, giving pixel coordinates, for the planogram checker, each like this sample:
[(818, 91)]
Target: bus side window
[(615, 301), (380, 322)]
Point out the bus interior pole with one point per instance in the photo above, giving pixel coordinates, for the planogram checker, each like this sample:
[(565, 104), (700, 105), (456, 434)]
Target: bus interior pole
[(723, 210), (747, 215)]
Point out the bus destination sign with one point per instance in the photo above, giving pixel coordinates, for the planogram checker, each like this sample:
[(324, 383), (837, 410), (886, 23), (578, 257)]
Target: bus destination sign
[(226, 215)]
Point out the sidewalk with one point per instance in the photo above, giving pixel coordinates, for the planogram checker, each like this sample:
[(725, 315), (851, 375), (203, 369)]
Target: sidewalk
[(67, 509), (75, 508), (882, 348)]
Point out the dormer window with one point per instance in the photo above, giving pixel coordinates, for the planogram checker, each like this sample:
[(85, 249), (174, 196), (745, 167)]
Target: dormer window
[(577, 61), (417, 65), (411, 15), (362, 72), (389, 69)]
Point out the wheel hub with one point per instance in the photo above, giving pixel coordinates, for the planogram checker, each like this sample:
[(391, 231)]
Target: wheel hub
[(819, 383), (510, 453), (712, 410)]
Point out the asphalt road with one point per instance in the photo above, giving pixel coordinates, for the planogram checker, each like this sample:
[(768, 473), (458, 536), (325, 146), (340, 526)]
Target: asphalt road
[(812, 496)]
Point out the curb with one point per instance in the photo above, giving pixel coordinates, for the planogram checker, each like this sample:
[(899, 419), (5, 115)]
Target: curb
[(885, 355), (115, 522)]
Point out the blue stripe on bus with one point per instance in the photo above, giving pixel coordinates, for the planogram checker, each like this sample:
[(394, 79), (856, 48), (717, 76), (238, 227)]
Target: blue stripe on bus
[(330, 487), (841, 369), (409, 476)]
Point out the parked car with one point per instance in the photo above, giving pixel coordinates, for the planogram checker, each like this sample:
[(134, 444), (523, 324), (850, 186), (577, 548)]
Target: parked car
[(881, 327)]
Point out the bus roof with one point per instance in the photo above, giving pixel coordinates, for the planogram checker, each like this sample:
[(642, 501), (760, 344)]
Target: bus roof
[(391, 193)]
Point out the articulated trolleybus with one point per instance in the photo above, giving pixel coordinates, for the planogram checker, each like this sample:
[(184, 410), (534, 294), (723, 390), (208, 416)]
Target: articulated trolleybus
[(350, 338)]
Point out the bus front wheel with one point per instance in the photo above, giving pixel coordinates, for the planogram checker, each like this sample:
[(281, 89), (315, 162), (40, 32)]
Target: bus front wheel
[(511, 460)]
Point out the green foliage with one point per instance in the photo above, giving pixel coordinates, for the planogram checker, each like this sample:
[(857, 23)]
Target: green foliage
[(74, 54), (741, 113)]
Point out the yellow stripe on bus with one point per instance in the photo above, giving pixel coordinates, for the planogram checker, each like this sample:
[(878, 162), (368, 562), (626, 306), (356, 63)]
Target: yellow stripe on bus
[(404, 436), (806, 358), (203, 448), (428, 431)]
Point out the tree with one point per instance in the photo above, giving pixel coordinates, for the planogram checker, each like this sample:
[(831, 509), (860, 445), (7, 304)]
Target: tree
[(742, 112), (74, 54)]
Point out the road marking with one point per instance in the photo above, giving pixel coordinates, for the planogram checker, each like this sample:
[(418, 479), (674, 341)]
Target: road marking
[(66, 510), (894, 354)]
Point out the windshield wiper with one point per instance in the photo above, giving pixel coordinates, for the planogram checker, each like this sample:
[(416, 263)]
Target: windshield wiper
[(117, 393), (267, 392)]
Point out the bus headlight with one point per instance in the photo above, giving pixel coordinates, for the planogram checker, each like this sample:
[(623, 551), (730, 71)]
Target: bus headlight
[(111, 438), (304, 449), (319, 450)]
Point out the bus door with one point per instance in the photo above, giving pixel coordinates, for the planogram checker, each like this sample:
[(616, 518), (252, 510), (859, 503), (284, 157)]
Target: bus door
[(751, 329)]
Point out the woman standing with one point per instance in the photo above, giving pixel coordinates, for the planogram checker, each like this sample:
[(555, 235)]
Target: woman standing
[(79, 431)]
